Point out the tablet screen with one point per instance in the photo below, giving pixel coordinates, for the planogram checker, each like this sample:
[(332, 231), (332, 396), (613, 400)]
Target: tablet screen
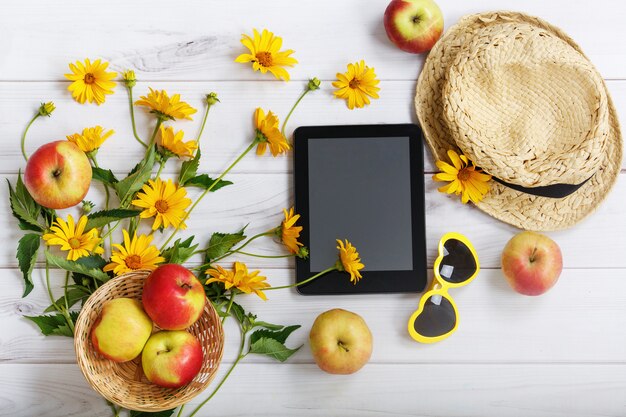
[(360, 189)]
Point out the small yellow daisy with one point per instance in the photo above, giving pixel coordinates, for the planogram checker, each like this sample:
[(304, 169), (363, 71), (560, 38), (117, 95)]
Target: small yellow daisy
[(268, 132), (173, 142), (91, 139), (290, 232), (165, 201), (349, 260), (240, 278), (463, 177), (136, 253), (357, 85), (160, 103), (90, 81), (72, 237), (265, 54)]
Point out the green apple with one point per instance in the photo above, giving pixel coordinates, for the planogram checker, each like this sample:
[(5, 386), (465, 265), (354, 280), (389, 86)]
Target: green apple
[(121, 330), (58, 175), (341, 342), (172, 359)]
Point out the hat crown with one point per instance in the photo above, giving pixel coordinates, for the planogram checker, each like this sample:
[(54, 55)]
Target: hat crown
[(526, 107)]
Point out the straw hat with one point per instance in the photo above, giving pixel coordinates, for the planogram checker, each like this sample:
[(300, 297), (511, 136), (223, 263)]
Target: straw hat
[(521, 100)]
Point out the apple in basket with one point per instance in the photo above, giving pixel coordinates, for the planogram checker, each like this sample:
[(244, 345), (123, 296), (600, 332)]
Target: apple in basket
[(413, 25), (531, 263), (58, 175), (340, 341), (172, 359), (121, 330), (173, 297)]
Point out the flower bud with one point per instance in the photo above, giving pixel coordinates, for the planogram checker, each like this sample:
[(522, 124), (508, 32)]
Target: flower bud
[(129, 78), (314, 84), (303, 252), (46, 109), (87, 206), (211, 99)]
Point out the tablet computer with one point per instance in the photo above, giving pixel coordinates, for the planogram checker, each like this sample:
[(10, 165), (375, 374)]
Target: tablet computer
[(364, 183)]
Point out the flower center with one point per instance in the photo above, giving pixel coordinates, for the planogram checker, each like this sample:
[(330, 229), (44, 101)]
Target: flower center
[(464, 174), (74, 243), (264, 58), (89, 78), (354, 83), (161, 206), (133, 261)]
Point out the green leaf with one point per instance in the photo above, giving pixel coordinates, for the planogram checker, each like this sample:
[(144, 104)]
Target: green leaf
[(54, 324), (74, 295), (126, 188), (278, 335), (179, 252), (105, 176), (27, 256), (268, 325), (238, 312), (272, 348), (220, 243), (104, 217), (76, 266), (189, 168), (204, 181), (49, 216), (92, 261), (24, 208), (164, 413)]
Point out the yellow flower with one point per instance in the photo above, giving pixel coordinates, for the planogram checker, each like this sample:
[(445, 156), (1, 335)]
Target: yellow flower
[(91, 139), (136, 253), (173, 142), (46, 109), (265, 54), (72, 237), (164, 200), (465, 179), (349, 260), (290, 232), (356, 85), (267, 131), (91, 81), (165, 107), (240, 278)]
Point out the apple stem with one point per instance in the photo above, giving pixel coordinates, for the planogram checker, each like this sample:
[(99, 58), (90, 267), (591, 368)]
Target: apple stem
[(532, 255), (343, 346)]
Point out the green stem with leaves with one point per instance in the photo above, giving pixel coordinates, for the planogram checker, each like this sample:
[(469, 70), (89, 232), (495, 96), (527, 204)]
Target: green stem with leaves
[(213, 184), (306, 281), (24, 135), (132, 117), (240, 356), (61, 310), (233, 292), (269, 232)]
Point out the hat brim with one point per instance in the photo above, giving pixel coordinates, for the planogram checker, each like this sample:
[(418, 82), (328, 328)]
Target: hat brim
[(510, 206)]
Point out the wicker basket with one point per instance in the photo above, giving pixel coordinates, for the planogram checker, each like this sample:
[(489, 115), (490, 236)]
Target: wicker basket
[(124, 383)]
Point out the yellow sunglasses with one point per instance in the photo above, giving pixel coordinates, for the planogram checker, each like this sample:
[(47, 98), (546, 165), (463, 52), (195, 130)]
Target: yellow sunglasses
[(456, 265)]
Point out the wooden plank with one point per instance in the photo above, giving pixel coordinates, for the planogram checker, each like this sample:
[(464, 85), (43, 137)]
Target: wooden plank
[(229, 129), (377, 390), (201, 40), (258, 200), (496, 325)]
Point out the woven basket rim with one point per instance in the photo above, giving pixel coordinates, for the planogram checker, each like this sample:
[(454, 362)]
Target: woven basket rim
[(137, 393), (519, 209)]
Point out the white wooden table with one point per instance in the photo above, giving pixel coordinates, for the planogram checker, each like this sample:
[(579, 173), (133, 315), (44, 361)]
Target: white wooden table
[(562, 354)]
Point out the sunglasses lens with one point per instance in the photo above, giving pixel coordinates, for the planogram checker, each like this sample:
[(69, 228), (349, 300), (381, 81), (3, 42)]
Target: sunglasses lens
[(437, 318), (458, 263)]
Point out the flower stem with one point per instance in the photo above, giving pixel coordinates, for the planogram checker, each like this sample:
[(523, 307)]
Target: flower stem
[(132, 117), (61, 310), (24, 135), (264, 256), (269, 232), (106, 198), (239, 158), (306, 281), (161, 165), (180, 410), (206, 115), (116, 412), (67, 278), (240, 356), (230, 304), (154, 133), (282, 129)]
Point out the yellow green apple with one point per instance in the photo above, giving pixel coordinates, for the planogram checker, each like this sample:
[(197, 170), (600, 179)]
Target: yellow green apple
[(341, 342), (172, 359), (58, 175), (173, 297), (413, 25), (532, 263), (121, 330)]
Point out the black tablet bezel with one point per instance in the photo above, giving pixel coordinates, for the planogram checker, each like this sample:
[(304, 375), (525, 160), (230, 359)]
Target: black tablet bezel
[(373, 281)]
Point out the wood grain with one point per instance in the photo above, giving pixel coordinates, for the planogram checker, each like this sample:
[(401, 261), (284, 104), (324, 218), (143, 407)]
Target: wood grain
[(303, 390)]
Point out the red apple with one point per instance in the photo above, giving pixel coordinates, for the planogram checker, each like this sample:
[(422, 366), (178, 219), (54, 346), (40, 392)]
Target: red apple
[(532, 263), (172, 359), (173, 297), (340, 341), (121, 330), (58, 175), (413, 25)]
